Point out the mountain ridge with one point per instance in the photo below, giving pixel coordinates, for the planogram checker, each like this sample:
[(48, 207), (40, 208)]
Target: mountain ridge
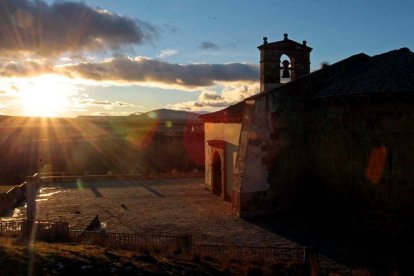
[(167, 114)]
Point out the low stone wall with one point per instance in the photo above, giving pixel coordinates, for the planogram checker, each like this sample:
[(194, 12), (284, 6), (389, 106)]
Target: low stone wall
[(70, 177)]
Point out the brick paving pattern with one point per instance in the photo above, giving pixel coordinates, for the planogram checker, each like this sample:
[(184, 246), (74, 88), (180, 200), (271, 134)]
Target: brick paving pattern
[(162, 206), (156, 206)]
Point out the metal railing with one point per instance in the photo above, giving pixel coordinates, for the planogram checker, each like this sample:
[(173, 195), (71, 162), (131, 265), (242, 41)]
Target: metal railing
[(273, 254), (163, 243), (127, 241), (11, 227)]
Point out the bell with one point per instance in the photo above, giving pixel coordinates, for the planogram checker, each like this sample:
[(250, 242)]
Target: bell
[(285, 74)]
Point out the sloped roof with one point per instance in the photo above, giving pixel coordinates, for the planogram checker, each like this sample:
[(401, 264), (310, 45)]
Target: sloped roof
[(231, 114), (391, 73)]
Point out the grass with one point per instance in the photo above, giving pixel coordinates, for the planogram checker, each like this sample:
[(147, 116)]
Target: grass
[(41, 258)]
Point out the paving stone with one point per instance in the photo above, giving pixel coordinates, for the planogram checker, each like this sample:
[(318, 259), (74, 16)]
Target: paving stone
[(166, 206)]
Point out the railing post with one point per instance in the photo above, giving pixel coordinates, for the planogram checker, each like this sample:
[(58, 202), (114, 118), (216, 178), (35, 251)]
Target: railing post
[(184, 244), (32, 185), (312, 260)]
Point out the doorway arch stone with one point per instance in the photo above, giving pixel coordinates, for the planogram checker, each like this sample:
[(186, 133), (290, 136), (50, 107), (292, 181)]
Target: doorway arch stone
[(217, 174), (217, 168)]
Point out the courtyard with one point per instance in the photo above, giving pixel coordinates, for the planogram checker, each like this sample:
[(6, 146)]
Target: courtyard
[(156, 206)]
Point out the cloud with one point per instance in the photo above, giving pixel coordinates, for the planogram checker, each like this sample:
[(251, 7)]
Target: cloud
[(196, 106), (25, 68), (105, 104), (171, 28), (211, 104), (207, 45), (50, 29), (144, 70), (206, 96), (211, 100), (167, 53), (236, 92), (110, 113)]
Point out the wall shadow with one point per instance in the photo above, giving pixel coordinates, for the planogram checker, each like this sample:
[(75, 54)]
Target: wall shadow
[(355, 244)]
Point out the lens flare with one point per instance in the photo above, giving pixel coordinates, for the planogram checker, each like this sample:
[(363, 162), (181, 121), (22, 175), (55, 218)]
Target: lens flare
[(152, 115), (376, 164), (79, 184)]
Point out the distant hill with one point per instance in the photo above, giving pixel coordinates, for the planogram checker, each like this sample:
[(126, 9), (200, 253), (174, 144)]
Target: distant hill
[(167, 114), (159, 114), (137, 113), (100, 143)]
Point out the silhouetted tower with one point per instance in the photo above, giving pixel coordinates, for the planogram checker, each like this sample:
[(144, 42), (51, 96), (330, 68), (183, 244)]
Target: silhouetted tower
[(271, 65)]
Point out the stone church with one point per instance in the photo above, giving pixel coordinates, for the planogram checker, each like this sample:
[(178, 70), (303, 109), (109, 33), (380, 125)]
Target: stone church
[(341, 134)]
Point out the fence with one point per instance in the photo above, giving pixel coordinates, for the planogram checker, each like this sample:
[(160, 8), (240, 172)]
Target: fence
[(273, 254), (44, 230), (59, 231), (139, 242), (184, 244), (11, 227)]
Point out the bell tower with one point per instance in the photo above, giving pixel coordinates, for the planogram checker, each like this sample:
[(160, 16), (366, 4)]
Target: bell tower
[(271, 66)]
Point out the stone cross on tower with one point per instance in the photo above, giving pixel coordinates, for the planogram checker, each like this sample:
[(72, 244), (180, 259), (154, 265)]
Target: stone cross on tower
[(270, 63)]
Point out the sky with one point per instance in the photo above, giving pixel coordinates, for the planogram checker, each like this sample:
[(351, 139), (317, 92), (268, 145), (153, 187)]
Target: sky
[(118, 57)]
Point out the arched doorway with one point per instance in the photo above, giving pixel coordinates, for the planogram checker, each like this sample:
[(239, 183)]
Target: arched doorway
[(217, 174)]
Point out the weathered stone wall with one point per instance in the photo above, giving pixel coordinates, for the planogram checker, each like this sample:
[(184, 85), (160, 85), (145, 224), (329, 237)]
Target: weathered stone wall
[(275, 156), (285, 154), (346, 154), (255, 174), (362, 150), (229, 133)]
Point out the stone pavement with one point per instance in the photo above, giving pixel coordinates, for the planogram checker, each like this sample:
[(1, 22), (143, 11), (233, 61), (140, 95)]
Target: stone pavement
[(155, 206), (161, 206)]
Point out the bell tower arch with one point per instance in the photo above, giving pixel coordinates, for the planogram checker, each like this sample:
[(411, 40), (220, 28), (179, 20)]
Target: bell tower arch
[(273, 70)]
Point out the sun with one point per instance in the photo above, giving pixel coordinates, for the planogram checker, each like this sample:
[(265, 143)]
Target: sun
[(46, 96)]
